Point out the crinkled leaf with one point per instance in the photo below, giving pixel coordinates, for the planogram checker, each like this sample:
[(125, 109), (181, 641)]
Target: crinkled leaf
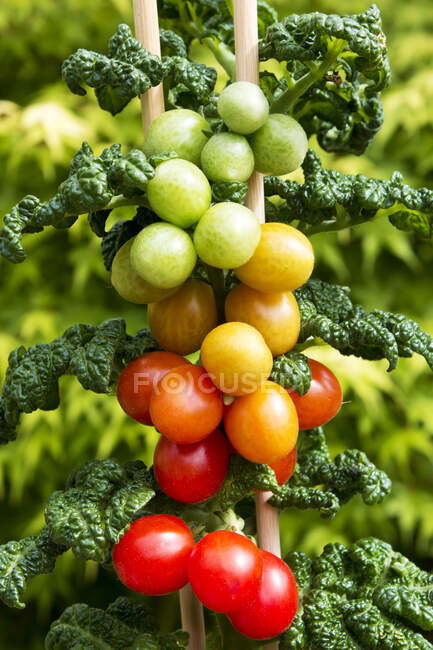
[(128, 71), (331, 200), (97, 507), (292, 371), (340, 64), (327, 312), (188, 84), (365, 595), (23, 560), (323, 484), (172, 43), (124, 625), (94, 354), (93, 182), (234, 191)]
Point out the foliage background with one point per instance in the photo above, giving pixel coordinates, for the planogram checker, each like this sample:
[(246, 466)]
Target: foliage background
[(63, 281)]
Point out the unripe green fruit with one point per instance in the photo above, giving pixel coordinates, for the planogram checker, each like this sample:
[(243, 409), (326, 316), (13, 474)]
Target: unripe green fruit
[(227, 157), (163, 255), (227, 235), (243, 107), (129, 284), (179, 192), (279, 146), (179, 130)]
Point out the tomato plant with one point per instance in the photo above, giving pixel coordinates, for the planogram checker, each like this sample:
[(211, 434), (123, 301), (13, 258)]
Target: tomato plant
[(191, 473), (185, 405), (152, 556), (225, 570), (275, 605), (262, 426), (236, 357), (181, 322), (188, 236), (323, 399), (138, 380)]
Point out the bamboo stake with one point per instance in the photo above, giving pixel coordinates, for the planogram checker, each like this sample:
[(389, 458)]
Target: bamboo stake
[(147, 32), (152, 105), (247, 69)]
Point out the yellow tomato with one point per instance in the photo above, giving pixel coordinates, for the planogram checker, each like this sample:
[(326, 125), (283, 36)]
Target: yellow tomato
[(282, 261), (180, 323), (237, 358), (275, 315), (263, 426)]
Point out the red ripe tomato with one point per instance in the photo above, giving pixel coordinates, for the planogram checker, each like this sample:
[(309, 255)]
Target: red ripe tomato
[(285, 467), (225, 570), (186, 406), (152, 556), (191, 473), (322, 400), (138, 380), (275, 605)]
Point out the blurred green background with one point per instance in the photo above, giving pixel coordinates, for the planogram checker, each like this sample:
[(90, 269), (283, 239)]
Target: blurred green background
[(63, 281)]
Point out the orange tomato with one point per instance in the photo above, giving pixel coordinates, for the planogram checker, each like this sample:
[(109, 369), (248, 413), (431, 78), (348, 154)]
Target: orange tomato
[(282, 261), (263, 426), (180, 323), (236, 357), (186, 406), (275, 315)]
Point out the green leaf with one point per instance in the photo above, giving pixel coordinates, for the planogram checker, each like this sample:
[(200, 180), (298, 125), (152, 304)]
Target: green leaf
[(97, 507), (331, 200), (360, 596), (235, 191), (124, 625), (128, 71), (23, 560), (323, 484), (292, 371), (327, 312), (334, 69), (94, 354), (94, 184), (188, 84)]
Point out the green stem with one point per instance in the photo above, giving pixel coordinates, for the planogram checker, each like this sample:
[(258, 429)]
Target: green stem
[(288, 99), (216, 278), (223, 55)]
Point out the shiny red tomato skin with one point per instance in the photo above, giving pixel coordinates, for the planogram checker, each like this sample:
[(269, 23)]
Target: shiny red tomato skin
[(323, 399), (152, 556), (186, 406), (138, 380), (225, 571), (275, 605), (285, 467), (191, 473)]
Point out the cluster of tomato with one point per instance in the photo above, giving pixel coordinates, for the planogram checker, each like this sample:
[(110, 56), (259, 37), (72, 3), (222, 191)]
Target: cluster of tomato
[(226, 570), (155, 264), (226, 404)]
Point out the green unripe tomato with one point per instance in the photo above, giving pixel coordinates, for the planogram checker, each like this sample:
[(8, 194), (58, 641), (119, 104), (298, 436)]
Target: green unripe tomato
[(163, 255), (227, 157), (227, 235), (129, 284), (279, 146), (179, 192), (179, 130), (243, 107)]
